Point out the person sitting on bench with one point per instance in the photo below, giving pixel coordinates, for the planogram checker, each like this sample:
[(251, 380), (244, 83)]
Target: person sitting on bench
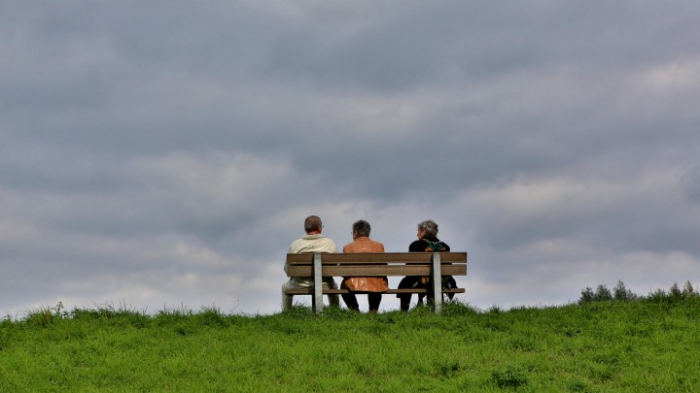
[(374, 286), (312, 242), (427, 242)]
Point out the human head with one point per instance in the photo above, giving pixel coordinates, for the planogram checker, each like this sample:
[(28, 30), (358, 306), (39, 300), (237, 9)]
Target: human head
[(313, 224), (429, 227), (361, 228)]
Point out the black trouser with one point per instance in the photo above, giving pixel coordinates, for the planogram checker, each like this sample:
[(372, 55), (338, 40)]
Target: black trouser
[(351, 301), (417, 282)]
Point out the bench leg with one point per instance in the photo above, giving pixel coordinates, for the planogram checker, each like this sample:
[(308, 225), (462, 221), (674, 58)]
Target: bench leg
[(317, 299), (437, 283)]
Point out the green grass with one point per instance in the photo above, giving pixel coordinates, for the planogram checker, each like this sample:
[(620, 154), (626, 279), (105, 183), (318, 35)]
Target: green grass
[(631, 346)]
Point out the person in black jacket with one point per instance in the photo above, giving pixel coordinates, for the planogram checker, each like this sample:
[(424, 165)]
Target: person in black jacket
[(427, 242)]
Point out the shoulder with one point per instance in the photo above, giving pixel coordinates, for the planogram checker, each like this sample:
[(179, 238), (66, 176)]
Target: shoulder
[(328, 240), (312, 243), (417, 246), (377, 245), (376, 242), (444, 245), (296, 243)]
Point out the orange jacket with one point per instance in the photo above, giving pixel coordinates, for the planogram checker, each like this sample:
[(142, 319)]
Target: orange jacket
[(365, 284)]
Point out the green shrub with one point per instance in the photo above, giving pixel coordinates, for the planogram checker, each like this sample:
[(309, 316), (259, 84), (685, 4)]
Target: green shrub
[(689, 291), (211, 316), (674, 294), (623, 294), (46, 316), (512, 376), (587, 296), (458, 309), (602, 294)]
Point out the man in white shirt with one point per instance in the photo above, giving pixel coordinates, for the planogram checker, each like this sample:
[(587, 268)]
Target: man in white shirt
[(313, 241)]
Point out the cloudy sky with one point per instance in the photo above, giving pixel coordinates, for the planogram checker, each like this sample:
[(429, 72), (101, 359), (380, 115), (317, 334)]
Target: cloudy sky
[(164, 154)]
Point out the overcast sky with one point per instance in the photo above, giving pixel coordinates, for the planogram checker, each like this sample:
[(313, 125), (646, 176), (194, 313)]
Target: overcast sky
[(164, 154)]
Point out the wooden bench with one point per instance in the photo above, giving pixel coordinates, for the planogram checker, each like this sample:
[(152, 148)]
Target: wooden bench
[(317, 265)]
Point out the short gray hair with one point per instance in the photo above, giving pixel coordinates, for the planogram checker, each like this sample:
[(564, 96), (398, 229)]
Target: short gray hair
[(362, 228), (429, 226), (312, 223)]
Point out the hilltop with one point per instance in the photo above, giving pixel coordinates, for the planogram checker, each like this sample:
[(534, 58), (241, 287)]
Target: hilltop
[(646, 344)]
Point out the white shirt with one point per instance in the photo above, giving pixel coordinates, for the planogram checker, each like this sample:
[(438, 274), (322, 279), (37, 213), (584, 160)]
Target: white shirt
[(312, 243)]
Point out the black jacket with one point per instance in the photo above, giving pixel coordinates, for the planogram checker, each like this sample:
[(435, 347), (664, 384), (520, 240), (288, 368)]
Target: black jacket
[(420, 245)]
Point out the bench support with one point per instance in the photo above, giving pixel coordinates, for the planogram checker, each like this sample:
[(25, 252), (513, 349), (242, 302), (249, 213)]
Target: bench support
[(437, 283), (317, 299)]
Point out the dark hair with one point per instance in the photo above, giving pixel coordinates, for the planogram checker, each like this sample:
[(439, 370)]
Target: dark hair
[(362, 228), (312, 223), (429, 226)]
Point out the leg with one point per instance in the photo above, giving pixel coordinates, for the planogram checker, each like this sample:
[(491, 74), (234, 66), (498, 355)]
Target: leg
[(286, 302), (351, 301), (407, 282), (333, 299), (374, 298), (449, 282), (349, 298), (286, 299)]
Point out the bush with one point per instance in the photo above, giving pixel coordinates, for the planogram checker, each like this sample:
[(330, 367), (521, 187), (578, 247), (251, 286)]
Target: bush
[(513, 376), (689, 291), (587, 296), (46, 316), (622, 293), (674, 294), (602, 293), (658, 296), (458, 308)]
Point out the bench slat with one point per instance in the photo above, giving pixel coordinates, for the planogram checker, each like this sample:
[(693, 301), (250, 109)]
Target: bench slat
[(376, 258), (376, 271), (309, 291)]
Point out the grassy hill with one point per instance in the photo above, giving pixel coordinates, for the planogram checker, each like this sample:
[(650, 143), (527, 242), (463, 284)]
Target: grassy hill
[(645, 345)]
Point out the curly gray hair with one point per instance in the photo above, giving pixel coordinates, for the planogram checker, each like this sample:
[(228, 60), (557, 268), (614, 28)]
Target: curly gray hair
[(429, 226)]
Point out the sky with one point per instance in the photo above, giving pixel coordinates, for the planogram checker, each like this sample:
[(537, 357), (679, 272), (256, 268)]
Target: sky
[(163, 155)]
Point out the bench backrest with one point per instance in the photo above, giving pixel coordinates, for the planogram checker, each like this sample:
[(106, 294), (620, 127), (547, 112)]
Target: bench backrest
[(377, 264)]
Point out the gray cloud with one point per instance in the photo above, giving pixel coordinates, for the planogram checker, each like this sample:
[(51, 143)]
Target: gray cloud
[(167, 153)]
